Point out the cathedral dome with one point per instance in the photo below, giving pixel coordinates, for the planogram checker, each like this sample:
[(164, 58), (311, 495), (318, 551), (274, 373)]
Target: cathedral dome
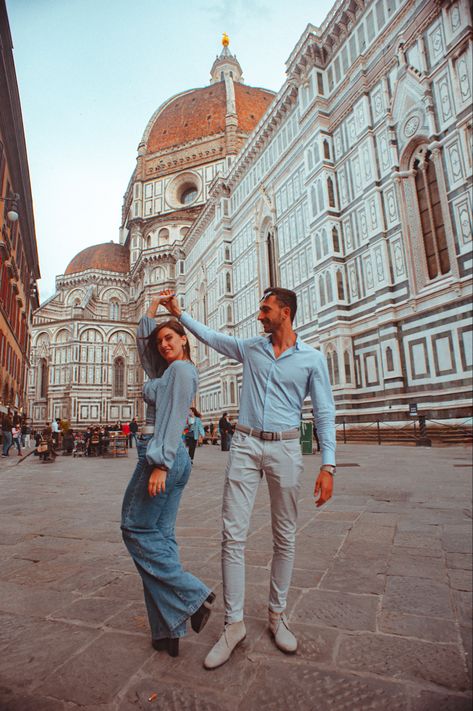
[(199, 113), (109, 256)]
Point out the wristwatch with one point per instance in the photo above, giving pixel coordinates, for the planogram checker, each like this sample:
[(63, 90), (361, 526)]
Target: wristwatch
[(329, 468)]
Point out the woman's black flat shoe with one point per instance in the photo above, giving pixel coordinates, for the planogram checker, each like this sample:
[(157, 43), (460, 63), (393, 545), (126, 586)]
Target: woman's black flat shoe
[(200, 617), (167, 644)]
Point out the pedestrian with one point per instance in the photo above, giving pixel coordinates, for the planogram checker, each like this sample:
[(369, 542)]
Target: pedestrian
[(16, 437), (226, 430), (213, 437), (196, 431), (68, 441), (88, 441), (278, 373), (152, 498), (315, 434), (126, 431), (55, 431), (7, 439), (133, 432), (47, 445)]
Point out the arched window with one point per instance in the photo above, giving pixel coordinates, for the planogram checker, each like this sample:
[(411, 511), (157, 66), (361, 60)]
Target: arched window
[(228, 283), (389, 358), (324, 242), (232, 392), (227, 255), (326, 149), (313, 200), (320, 195), (430, 213), (43, 378), (321, 291), (318, 251), (340, 289), (331, 194), (346, 360), (310, 160), (328, 287), (271, 251), (148, 242), (229, 314), (332, 365), (114, 310), (163, 236), (335, 240), (119, 377), (184, 231), (336, 372), (316, 153)]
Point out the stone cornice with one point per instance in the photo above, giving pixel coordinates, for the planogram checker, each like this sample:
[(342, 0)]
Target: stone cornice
[(91, 276)]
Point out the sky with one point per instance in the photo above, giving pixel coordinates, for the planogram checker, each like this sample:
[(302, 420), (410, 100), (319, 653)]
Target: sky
[(91, 73)]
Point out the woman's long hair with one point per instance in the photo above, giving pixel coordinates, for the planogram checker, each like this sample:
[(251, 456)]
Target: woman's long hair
[(151, 348)]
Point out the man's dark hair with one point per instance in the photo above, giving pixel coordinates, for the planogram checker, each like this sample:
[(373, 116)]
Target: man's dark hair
[(285, 297)]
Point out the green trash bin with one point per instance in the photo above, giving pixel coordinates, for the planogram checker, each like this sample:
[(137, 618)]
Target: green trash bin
[(307, 432)]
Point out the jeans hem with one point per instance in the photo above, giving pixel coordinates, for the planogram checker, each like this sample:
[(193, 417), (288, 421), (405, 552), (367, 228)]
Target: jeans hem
[(188, 615)]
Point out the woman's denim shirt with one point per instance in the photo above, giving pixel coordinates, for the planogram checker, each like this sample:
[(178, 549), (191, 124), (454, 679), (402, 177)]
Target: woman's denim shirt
[(168, 396)]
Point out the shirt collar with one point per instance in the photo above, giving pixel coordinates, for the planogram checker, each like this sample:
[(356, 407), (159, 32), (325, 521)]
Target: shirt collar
[(269, 343)]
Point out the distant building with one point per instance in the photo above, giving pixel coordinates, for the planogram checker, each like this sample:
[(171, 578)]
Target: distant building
[(19, 268), (354, 189)]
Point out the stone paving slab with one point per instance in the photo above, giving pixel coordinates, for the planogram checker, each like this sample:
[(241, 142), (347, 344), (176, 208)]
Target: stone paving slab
[(380, 602)]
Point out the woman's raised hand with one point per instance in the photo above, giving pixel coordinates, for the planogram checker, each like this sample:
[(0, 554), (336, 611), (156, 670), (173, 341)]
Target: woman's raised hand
[(168, 299)]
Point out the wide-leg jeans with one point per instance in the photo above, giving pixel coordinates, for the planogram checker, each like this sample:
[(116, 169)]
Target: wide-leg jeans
[(172, 595), (281, 463)]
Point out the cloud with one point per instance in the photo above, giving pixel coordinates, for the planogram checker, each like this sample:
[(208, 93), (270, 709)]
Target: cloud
[(232, 13)]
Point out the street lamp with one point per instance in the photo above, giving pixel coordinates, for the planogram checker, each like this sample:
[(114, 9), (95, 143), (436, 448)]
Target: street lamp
[(12, 213)]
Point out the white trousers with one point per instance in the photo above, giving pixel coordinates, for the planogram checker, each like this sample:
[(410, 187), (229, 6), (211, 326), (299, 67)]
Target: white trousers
[(281, 463)]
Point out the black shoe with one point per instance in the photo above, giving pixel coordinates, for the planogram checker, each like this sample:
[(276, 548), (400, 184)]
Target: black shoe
[(167, 644), (200, 617)]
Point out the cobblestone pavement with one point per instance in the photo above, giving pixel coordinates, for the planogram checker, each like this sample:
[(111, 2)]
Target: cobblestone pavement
[(381, 596)]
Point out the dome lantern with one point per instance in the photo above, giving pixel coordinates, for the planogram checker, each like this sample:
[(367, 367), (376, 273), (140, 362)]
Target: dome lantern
[(226, 64)]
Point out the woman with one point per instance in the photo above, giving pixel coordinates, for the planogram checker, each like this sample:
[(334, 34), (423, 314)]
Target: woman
[(196, 430), (152, 498), (16, 436)]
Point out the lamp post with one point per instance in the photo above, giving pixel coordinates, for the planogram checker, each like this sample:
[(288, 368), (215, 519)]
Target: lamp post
[(12, 213)]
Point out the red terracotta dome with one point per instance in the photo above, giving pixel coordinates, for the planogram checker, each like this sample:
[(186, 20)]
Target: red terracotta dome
[(110, 257), (201, 112)]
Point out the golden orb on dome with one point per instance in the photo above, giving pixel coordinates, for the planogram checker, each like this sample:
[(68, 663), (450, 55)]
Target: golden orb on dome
[(225, 39)]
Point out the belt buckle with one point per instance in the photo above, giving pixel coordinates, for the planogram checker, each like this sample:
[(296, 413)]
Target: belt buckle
[(267, 436)]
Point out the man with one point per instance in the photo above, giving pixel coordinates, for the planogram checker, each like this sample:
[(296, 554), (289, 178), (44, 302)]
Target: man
[(278, 373), (7, 425), (225, 429), (133, 432)]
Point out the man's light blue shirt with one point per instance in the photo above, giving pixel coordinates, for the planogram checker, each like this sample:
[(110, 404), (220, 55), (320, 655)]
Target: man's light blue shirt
[(274, 389)]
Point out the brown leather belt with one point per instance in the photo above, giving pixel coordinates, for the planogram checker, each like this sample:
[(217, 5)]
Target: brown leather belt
[(269, 436)]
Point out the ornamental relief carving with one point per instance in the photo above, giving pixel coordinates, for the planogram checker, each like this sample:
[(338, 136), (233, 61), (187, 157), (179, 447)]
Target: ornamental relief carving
[(443, 93), (463, 72), (454, 164), (455, 18), (436, 43)]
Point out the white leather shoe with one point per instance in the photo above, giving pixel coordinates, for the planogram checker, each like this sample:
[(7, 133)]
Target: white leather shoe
[(285, 640), (220, 653)]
